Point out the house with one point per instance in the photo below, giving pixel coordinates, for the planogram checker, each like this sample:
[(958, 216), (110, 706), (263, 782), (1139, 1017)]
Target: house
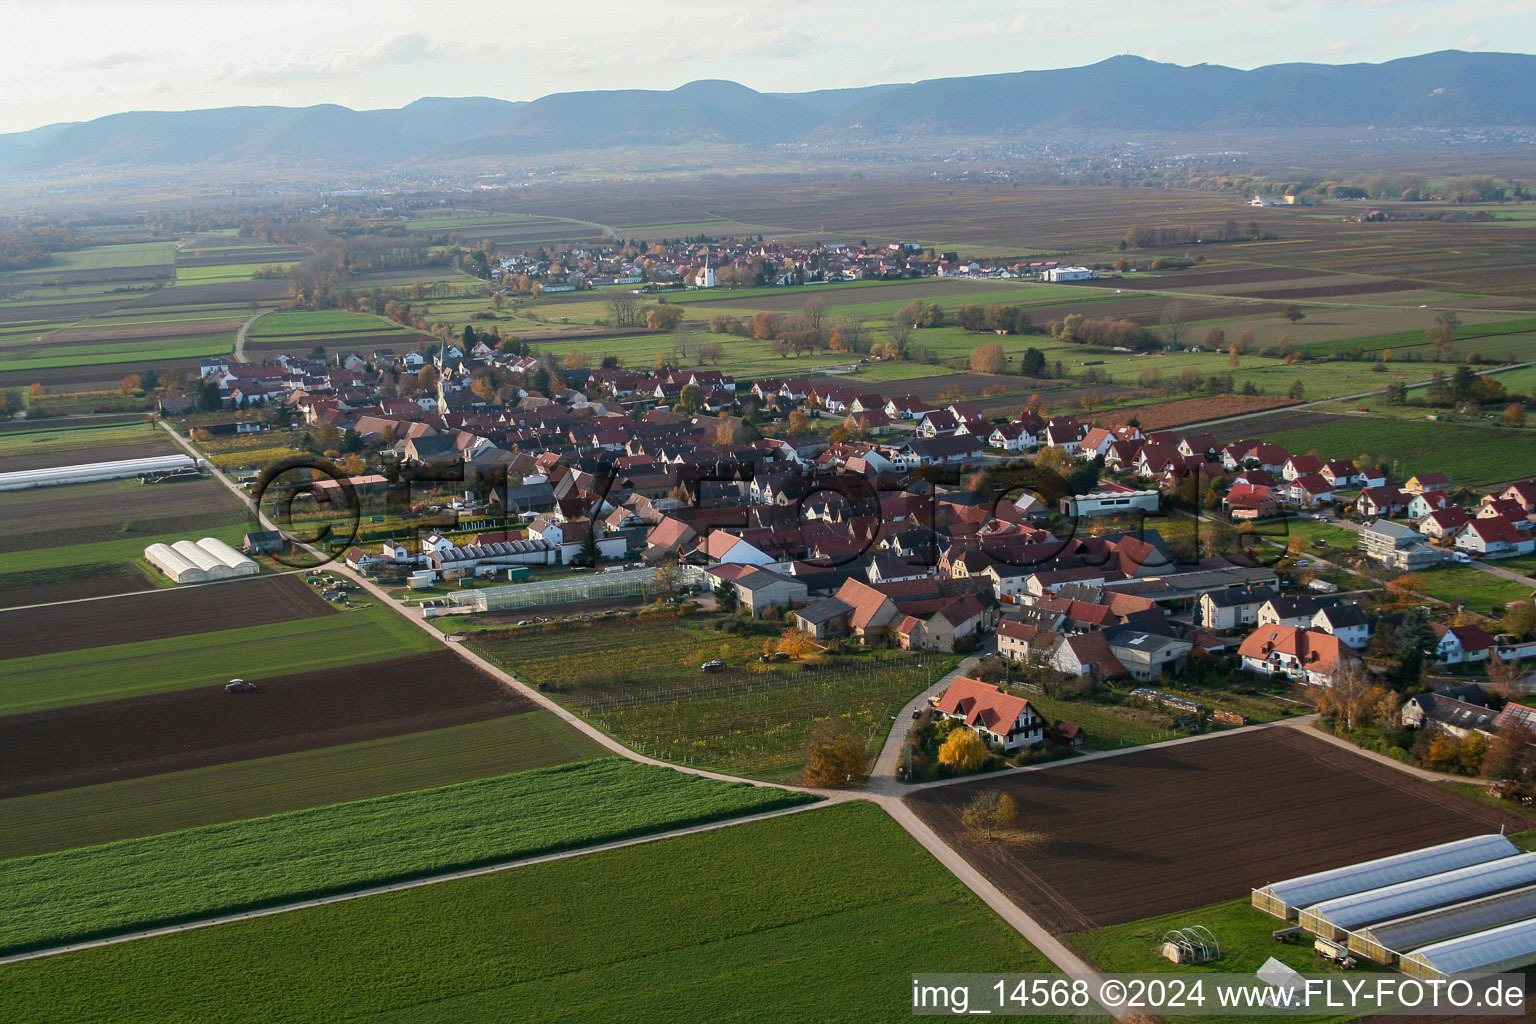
[(1310, 491), (1398, 546), (1342, 475), (1306, 656), (1348, 622), (1455, 645), (1427, 482), (1288, 610), (1298, 466), (1427, 502), (1013, 437), (1086, 653), (1522, 494), (1493, 537), (1250, 501), (1440, 710), (1443, 522), (960, 618), (1019, 640), (938, 451), (1147, 656), (759, 589), (1377, 502), (824, 619), (1003, 720), (1234, 607)]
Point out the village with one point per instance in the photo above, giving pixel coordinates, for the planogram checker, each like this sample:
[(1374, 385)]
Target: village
[(1149, 568)]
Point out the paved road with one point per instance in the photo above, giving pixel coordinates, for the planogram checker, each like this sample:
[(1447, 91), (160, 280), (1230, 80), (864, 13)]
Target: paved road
[(890, 753), (1492, 568)]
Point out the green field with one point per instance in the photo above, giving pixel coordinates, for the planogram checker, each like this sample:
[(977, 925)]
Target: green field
[(822, 915), (315, 322), (91, 815), (641, 683), (1473, 454), (1479, 591), (222, 272), (125, 550), (101, 257), (125, 352), (81, 437), (177, 876), (368, 633)]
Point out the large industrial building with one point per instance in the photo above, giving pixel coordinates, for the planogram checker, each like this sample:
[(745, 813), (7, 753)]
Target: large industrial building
[(1467, 907), (201, 561)]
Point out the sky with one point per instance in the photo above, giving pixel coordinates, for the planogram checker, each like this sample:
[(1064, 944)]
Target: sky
[(70, 60)]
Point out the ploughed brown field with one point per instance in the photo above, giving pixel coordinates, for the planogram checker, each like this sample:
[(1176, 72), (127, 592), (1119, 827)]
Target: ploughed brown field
[(150, 446), (124, 739), (113, 510), (254, 601), (1195, 410), (1158, 831), (108, 586)]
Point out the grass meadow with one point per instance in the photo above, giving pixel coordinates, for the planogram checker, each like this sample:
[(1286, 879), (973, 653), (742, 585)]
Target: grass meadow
[(822, 915)]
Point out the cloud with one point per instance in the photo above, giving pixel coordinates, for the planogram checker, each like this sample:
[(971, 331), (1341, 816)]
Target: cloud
[(902, 66), (1472, 42), (398, 51), (114, 60)]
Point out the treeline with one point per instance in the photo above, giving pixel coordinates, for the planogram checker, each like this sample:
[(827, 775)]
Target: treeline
[(1102, 333), (26, 246), (1152, 237)]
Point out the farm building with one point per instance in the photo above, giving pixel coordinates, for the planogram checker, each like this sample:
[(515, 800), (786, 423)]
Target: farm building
[(1383, 942), (1333, 919), (1499, 949), (1286, 899), (199, 562), (91, 472)]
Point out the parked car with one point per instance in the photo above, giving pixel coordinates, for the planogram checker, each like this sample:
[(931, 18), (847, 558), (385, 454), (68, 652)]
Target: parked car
[(1462, 557)]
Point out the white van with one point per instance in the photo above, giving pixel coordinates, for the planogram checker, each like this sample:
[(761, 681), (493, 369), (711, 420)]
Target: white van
[(1462, 557)]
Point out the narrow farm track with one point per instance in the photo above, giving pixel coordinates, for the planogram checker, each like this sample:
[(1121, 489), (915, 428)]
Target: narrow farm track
[(240, 335)]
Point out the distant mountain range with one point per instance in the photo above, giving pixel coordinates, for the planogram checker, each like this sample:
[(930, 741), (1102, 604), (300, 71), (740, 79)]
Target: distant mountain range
[(1450, 89)]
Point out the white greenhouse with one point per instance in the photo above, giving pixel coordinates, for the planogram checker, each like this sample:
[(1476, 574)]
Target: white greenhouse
[(1333, 919), (1285, 899), (92, 471), (1385, 941), (201, 561), (1499, 949)]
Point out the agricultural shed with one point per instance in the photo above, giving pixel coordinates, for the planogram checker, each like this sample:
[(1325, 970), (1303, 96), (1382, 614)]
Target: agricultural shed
[(1334, 918), (1382, 942), (1498, 949), (175, 566), (1286, 899), (89, 472)]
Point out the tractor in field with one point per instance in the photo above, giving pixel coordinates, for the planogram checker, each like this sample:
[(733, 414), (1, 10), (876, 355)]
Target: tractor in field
[(239, 686)]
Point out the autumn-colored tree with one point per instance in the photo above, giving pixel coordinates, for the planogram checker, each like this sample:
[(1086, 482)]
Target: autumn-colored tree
[(689, 400), (988, 359), (977, 482), (664, 317), (1443, 751), (1055, 459), (950, 393), (835, 756), (1234, 359), (1519, 620), (1508, 755), (797, 644), (964, 752), (1473, 749), (766, 325), (799, 423), (989, 811), (129, 384), (1215, 339), (574, 360), (711, 351), (1514, 415), (667, 575), (35, 390)]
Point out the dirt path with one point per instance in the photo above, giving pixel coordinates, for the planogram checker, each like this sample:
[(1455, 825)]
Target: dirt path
[(240, 335)]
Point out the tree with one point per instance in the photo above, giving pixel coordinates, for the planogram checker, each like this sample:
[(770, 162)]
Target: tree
[(667, 575), (208, 398), (799, 423), (725, 596), (1520, 620), (1298, 390), (766, 326), (1293, 314), (900, 332), (834, 756), (574, 360), (129, 384), (1514, 415), (815, 314), (964, 752), (1174, 318), (1233, 358), (988, 359), (711, 351), (623, 309), (988, 811), (1055, 459), (663, 318), (1352, 697), (1414, 639), (1033, 363), (1508, 756), (689, 400), (796, 643), (1215, 339)]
